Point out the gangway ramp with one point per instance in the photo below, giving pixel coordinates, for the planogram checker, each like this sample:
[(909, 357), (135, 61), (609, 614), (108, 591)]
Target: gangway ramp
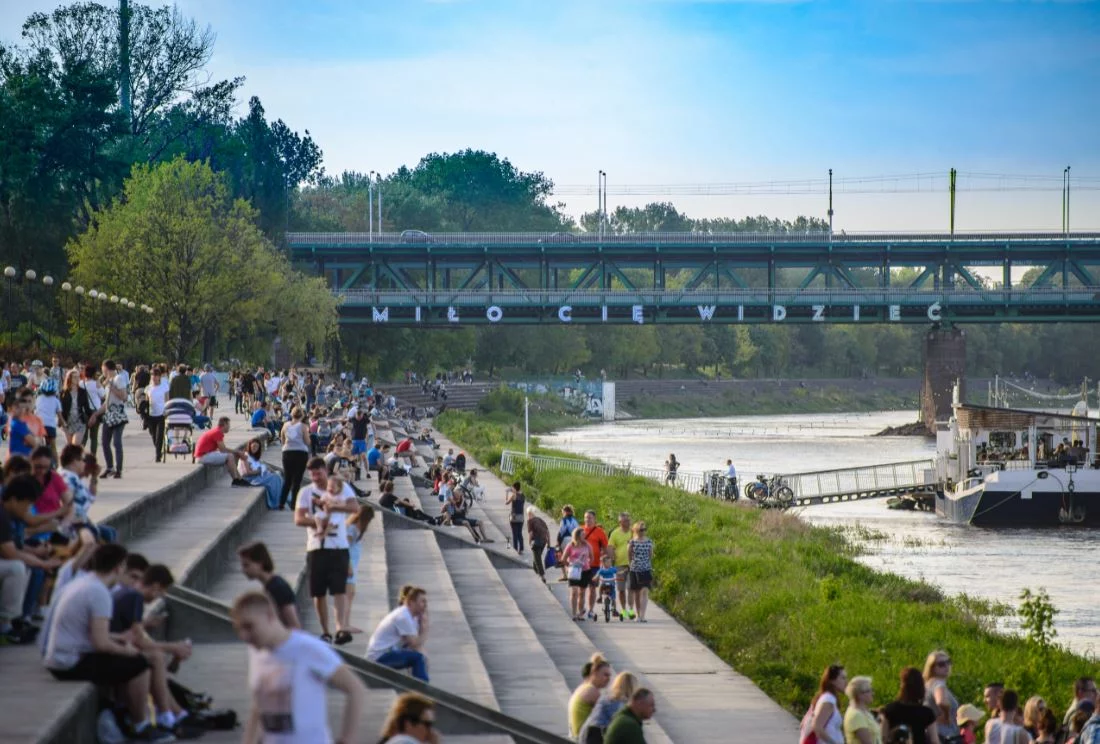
[(856, 484)]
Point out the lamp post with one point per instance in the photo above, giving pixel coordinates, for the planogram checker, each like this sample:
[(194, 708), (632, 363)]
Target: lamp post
[(1065, 201), (114, 301), (9, 275), (370, 207), (30, 275), (79, 291), (47, 282)]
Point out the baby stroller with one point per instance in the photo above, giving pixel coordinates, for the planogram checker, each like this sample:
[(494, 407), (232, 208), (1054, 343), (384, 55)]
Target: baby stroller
[(179, 428)]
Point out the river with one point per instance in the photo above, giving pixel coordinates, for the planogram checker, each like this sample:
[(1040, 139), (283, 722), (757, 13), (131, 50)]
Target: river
[(994, 564)]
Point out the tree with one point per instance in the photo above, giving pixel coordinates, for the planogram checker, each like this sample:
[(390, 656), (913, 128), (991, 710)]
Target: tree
[(168, 58), (178, 240)]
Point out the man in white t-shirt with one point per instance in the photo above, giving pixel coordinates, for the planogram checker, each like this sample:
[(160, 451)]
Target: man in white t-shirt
[(398, 641), (209, 385), (326, 551), (288, 673)]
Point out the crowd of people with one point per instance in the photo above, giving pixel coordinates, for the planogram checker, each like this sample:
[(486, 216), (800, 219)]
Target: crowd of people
[(926, 711)]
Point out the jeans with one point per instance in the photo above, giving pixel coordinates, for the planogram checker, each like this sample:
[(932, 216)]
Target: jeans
[(156, 431), (92, 433), (36, 579), (294, 469), (536, 553), (406, 659), (273, 486), (13, 587), (517, 536), (112, 437)]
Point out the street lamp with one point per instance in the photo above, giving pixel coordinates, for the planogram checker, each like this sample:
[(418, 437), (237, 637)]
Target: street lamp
[(47, 282), (30, 276), (370, 207), (79, 304), (9, 275), (1065, 201)]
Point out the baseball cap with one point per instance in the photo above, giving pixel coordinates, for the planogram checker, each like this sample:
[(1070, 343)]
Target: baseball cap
[(968, 712)]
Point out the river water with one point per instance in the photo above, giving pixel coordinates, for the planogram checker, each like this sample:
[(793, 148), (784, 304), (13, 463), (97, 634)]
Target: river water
[(994, 564)]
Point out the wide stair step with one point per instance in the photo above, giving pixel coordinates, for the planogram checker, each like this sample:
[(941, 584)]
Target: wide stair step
[(525, 679), (454, 663)]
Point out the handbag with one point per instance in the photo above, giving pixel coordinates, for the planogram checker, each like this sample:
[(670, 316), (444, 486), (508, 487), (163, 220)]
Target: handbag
[(116, 415), (575, 572), (551, 558)]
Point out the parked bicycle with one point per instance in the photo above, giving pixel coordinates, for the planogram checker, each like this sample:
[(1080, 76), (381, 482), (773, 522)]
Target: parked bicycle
[(718, 485), (770, 493)]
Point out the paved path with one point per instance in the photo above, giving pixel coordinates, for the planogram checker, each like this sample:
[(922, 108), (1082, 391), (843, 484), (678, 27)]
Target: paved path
[(699, 697)]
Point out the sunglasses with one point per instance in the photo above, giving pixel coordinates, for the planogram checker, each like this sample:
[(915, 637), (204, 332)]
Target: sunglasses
[(943, 662), (425, 723)]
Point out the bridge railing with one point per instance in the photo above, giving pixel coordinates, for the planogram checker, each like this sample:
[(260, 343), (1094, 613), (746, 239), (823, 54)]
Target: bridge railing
[(684, 480), (872, 478), (672, 238), (760, 296)]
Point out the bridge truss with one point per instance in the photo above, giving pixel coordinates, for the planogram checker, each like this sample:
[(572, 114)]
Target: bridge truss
[(689, 278)]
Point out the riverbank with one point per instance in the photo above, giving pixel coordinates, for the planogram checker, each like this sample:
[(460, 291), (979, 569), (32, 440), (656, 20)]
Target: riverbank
[(779, 599), (656, 399)]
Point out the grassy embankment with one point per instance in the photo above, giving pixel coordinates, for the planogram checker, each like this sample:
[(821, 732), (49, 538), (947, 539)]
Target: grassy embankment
[(779, 599)]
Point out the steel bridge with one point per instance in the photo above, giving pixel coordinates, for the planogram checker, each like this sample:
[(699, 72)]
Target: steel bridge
[(444, 279)]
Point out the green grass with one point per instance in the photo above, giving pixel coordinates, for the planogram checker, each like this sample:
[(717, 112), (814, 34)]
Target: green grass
[(779, 599)]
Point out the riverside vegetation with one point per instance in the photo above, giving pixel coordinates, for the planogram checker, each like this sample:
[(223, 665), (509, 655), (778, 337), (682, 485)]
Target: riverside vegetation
[(779, 599)]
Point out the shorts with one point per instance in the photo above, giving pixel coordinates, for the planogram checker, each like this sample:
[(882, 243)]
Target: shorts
[(641, 579), (51, 432), (359, 446), (214, 458), (586, 578), (623, 577), (104, 669), (328, 571)]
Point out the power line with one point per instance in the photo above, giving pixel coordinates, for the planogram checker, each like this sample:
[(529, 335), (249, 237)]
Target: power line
[(910, 183)]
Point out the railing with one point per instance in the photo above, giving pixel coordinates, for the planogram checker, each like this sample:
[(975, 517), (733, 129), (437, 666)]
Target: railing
[(677, 238), (685, 481), (761, 296), (870, 479)]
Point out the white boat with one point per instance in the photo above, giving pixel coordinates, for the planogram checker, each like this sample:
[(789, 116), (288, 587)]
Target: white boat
[(1019, 468)]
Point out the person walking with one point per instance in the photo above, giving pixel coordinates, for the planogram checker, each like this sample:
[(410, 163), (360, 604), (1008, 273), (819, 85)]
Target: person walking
[(257, 564), (357, 528), (539, 535), (597, 541), (289, 672), (641, 570), (75, 408), (517, 502), (577, 559), (156, 395), (95, 400), (114, 418), (295, 439), (619, 541), (566, 528), (327, 557)]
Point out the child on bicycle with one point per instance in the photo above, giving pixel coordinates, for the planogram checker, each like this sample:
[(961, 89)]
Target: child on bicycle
[(606, 575)]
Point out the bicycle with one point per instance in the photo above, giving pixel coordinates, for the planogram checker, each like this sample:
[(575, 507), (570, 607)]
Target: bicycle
[(770, 493), (470, 495)]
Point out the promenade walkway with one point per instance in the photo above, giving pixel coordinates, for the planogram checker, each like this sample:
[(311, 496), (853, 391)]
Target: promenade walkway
[(699, 697)]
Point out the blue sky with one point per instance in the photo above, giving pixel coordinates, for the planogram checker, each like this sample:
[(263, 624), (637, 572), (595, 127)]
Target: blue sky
[(692, 92)]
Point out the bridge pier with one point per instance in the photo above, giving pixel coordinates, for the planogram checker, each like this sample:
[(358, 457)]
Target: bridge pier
[(944, 363)]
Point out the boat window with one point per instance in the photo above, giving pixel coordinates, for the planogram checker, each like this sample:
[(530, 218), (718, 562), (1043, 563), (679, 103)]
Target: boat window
[(1002, 439)]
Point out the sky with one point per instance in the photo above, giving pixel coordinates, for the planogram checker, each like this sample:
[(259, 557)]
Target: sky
[(674, 97)]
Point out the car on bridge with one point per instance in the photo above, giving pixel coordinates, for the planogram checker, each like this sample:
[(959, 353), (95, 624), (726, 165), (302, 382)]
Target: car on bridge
[(559, 237), (415, 236)]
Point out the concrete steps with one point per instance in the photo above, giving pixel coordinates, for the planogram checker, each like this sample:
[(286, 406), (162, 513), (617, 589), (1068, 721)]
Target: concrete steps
[(526, 681), (454, 657)]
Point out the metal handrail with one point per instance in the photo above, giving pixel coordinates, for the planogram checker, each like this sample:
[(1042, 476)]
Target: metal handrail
[(560, 239), (889, 476)]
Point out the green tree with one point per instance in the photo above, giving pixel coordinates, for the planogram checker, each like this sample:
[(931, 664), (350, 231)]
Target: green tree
[(178, 240)]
